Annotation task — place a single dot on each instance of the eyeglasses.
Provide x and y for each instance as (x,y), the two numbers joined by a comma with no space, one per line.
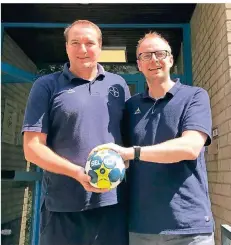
(159,55)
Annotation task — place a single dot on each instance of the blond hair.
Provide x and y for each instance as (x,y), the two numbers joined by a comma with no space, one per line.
(86,23)
(151,34)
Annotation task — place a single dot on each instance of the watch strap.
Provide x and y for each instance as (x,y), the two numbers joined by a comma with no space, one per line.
(137,153)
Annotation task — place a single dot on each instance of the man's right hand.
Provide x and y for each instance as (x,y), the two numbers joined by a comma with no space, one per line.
(84,180)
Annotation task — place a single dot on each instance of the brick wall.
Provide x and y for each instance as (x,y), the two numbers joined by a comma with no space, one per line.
(211,61)
(14,195)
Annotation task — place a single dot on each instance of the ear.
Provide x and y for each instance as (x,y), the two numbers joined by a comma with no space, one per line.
(139,65)
(100,44)
(66,46)
(171,60)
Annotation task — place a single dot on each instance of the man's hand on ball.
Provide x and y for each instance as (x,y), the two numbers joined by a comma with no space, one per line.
(84,180)
(124,152)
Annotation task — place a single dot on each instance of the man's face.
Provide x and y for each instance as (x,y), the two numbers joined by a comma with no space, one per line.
(151,65)
(83,47)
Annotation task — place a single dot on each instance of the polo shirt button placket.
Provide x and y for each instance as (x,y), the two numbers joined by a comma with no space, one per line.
(153,107)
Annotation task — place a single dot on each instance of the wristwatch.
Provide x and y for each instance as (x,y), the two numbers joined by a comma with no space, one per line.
(136,152)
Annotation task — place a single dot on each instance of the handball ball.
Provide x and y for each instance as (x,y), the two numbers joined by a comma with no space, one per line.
(106,168)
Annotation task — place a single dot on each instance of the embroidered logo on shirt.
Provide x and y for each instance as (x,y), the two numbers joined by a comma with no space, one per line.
(138,111)
(70,91)
(114,91)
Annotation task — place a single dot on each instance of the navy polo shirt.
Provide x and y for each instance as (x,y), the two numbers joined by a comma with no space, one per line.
(169,198)
(76,115)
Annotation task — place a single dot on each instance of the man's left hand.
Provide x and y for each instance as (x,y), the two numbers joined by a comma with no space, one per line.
(123,151)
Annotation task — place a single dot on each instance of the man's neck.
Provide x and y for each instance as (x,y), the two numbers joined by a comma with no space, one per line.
(88,73)
(159,89)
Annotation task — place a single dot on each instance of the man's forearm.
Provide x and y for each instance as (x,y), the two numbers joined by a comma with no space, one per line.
(167,152)
(46,159)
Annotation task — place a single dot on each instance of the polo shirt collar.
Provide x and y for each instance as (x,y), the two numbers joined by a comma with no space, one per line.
(172,91)
(70,76)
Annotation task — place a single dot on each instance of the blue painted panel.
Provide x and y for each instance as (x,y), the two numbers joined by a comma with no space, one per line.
(36,211)
(134,83)
(34,25)
(12,74)
(24,176)
(181,77)
(187,54)
(6,78)
(137,79)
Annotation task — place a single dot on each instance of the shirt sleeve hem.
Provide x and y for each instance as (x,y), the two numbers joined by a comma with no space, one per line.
(34,129)
(201,129)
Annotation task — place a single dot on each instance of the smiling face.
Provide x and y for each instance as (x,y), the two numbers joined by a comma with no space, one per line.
(83,46)
(156,68)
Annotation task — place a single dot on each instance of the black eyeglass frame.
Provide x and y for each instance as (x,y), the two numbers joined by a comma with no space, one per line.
(167,53)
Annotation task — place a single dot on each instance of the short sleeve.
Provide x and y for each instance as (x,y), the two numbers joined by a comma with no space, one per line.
(198,116)
(36,116)
(127,92)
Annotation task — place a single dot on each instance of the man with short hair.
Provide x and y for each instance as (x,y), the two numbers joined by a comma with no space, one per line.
(167,126)
(67,114)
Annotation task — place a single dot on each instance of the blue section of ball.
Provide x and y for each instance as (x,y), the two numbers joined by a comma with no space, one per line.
(91,155)
(122,174)
(96,162)
(114,175)
(109,161)
(94,176)
(112,153)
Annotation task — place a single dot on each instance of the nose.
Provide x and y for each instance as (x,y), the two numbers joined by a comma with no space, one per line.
(153,57)
(83,48)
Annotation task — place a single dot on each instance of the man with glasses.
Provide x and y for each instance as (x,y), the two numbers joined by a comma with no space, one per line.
(166,129)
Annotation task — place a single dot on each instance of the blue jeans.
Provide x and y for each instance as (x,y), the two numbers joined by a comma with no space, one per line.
(191,239)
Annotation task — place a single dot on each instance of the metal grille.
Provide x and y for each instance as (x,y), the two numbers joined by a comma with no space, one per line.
(17,212)
(18,206)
